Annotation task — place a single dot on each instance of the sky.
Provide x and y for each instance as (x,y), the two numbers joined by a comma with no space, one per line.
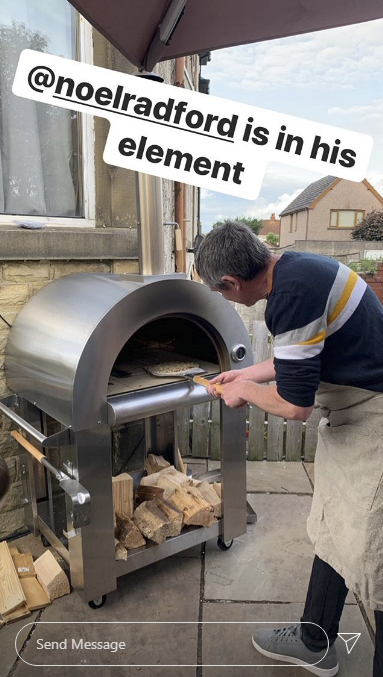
(333,76)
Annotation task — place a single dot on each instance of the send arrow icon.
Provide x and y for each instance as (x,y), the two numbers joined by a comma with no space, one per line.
(350,639)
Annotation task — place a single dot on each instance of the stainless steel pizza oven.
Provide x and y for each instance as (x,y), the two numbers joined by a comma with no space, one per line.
(77,359)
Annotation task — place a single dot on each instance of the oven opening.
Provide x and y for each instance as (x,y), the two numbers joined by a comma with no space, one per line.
(166,340)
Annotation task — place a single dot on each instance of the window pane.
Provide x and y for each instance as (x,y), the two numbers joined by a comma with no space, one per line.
(334,216)
(346,218)
(359,216)
(39,173)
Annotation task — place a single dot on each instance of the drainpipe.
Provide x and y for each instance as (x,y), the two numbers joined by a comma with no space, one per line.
(150,224)
(307,222)
(179,188)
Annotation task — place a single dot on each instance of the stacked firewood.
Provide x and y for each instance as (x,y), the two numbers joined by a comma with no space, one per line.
(166,500)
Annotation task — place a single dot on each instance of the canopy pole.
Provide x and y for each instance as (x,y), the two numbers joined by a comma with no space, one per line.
(163,34)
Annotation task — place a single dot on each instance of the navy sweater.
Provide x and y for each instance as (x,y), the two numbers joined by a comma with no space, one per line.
(327,326)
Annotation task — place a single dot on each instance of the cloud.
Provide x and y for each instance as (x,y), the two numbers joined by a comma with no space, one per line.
(205,194)
(336,58)
(376,180)
(367,111)
(262,209)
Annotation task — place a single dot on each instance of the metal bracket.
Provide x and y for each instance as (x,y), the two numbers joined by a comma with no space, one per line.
(60,439)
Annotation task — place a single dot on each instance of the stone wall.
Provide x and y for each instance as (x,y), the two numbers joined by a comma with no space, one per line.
(352,250)
(19,280)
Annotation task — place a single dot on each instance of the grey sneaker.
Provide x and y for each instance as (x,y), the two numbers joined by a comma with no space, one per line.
(287,645)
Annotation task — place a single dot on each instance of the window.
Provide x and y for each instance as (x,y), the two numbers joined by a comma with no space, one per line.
(41,147)
(291,223)
(345,218)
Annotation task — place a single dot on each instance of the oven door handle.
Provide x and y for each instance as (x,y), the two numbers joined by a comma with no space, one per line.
(57,440)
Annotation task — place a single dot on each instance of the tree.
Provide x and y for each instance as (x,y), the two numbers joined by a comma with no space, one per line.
(273,239)
(254,224)
(369,228)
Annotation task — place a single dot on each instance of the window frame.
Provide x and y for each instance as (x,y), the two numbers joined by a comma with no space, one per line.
(337,211)
(86,153)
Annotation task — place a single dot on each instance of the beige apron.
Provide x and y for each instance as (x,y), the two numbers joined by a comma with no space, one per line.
(346,519)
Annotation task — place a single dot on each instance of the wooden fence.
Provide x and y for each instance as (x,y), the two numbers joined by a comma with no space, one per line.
(268,437)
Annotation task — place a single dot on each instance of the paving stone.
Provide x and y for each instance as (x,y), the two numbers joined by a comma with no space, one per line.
(167,591)
(310,471)
(272,561)
(8,634)
(230,643)
(371,617)
(278,476)
(196,465)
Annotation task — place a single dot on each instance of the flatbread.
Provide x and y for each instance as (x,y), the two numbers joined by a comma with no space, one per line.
(173,368)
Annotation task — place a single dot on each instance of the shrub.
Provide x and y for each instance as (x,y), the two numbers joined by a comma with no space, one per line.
(254,224)
(369,228)
(273,239)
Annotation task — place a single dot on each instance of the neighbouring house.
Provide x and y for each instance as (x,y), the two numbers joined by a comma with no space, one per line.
(327,210)
(270,225)
(52,171)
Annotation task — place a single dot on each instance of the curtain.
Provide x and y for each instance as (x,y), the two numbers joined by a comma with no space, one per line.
(38,142)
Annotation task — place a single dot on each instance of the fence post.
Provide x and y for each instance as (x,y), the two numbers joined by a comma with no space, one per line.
(311,435)
(200,430)
(215,439)
(183,420)
(293,441)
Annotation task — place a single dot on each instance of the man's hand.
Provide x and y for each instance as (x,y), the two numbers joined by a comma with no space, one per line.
(226,377)
(232,394)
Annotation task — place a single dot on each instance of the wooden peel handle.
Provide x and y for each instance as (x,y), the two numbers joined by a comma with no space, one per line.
(204,382)
(28,446)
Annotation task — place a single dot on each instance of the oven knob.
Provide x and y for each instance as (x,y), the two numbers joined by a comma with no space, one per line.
(238,353)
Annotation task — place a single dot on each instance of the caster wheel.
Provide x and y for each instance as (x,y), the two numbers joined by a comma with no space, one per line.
(222,545)
(44,541)
(97,602)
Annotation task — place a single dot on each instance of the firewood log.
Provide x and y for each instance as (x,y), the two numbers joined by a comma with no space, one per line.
(127,532)
(151,521)
(154,463)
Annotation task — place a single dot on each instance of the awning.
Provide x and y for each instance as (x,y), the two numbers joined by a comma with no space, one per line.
(133,26)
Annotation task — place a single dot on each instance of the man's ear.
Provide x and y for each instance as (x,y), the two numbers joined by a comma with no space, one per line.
(232,282)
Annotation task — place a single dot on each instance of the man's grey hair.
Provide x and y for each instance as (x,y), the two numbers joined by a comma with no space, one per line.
(231,249)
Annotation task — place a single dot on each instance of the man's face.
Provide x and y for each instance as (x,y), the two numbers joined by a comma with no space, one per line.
(239,291)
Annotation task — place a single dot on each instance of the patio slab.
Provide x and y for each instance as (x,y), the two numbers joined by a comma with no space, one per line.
(7,641)
(146,611)
(272,561)
(275,477)
(230,643)
(309,467)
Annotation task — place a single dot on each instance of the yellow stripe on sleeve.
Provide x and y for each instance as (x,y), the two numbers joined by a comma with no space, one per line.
(344,297)
(316,339)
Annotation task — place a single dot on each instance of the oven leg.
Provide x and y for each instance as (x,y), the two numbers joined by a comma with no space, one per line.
(233,471)
(91,549)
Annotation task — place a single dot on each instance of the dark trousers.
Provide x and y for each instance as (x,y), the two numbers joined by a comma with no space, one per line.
(324,605)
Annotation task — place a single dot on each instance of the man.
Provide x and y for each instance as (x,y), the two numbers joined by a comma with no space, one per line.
(327,326)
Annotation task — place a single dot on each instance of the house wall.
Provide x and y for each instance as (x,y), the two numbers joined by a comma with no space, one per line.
(344,195)
(299,228)
(31,259)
